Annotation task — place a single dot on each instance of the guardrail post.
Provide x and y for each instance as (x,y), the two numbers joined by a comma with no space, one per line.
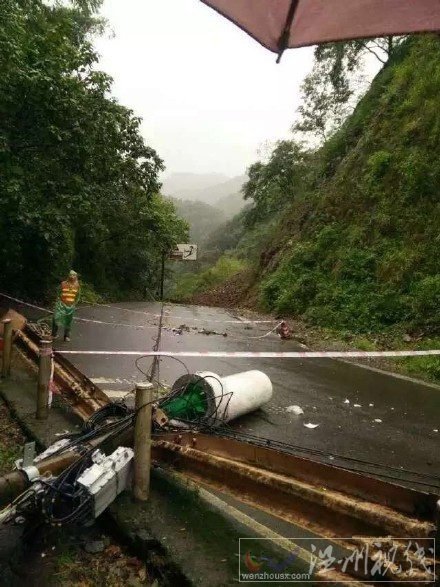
(44,369)
(142,440)
(7,347)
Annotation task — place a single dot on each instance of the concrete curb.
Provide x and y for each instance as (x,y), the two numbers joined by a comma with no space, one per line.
(195,531)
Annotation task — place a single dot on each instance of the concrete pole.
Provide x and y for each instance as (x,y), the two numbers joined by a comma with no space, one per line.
(7,347)
(44,369)
(142,441)
(12,484)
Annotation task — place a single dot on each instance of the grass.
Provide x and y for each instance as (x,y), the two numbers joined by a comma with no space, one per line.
(194,283)
(427,367)
(364,344)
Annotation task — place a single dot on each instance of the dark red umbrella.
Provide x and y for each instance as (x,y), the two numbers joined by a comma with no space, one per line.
(280,24)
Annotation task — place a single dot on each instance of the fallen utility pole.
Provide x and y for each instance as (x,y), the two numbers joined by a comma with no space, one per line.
(15,483)
(329,500)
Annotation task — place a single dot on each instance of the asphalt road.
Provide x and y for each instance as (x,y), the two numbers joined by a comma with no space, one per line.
(405,436)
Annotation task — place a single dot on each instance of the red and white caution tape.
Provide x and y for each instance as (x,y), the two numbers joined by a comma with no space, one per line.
(238,321)
(137,326)
(233,354)
(261,355)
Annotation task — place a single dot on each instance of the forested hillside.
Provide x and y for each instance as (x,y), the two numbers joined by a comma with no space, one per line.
(202,219)
(78,185)
(347,236)
(359,246)
(214,189)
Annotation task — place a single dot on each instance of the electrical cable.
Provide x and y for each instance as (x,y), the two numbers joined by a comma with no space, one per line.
(155,365)
(63,492)
(64,502)
(149,357)
(291,448)
(111,410)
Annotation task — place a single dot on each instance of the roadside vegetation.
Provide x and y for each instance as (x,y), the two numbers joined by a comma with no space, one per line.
(342,226)
(191,284)
(78,185)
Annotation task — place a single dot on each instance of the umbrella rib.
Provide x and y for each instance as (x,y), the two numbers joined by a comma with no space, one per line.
(284,38)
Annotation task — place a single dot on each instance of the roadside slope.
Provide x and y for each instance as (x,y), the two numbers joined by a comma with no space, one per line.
(358,250)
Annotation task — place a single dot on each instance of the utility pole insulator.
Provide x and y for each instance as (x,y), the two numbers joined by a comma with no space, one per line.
(142,440)
(44,371)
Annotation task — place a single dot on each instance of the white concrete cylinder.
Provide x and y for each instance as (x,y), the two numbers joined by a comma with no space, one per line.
(232,396)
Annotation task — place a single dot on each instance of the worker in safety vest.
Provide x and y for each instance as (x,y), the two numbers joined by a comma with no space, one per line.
(68,297)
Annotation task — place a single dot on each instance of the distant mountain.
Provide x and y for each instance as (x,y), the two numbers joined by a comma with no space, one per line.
(178,183)
(211,188)
(202,218)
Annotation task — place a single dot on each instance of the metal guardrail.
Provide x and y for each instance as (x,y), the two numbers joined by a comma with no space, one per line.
(83,396)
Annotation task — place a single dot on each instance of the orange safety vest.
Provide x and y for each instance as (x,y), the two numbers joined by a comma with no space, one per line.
(69,292)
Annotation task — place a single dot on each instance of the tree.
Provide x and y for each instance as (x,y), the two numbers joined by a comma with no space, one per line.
(273,184)
(331,89)
(78,185)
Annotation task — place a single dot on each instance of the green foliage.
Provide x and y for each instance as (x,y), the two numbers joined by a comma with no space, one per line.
(364,253)
(273,184)
(8,456)
(89,295)
(323,108)
(425,302)
(77,182)
(190,284)
(363,344)
(202,218)
(428,366)
(378,164)
(331,88)
(227,236)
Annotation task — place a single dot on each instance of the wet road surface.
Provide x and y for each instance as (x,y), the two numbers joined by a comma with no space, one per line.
(361,414)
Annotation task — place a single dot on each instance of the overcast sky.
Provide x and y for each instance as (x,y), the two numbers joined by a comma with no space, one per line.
(210,96)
